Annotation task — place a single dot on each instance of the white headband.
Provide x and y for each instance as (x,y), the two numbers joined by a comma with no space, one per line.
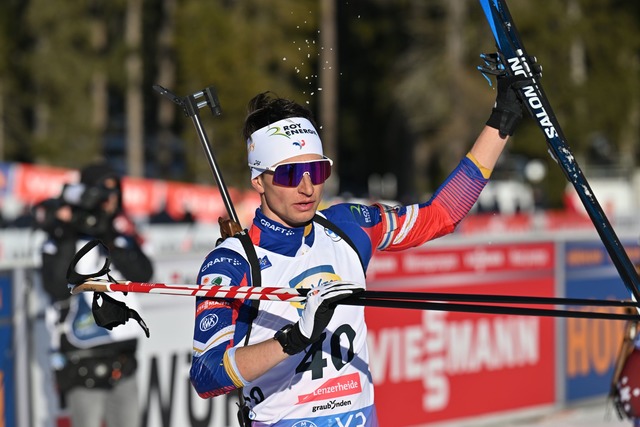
(281,140)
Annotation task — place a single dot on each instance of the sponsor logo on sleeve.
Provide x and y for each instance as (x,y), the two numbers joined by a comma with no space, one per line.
(210,305)
(215,280)
(362,212)
(208,322)
(218,260)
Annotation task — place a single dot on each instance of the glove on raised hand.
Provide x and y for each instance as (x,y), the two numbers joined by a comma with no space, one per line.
(318,310)
(507,111)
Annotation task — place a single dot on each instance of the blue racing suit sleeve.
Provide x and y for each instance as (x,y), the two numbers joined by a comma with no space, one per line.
(356,220)
(220,324)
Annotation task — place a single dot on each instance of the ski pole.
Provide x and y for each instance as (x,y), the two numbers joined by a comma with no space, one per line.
(385,299)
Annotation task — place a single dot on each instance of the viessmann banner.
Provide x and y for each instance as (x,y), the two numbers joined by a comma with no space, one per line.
(440,364)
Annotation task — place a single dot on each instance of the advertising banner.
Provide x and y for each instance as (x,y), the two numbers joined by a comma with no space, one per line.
(30,184)
(438,364)
(592,345)
(34,183)
(5,177)
(7,354)
(142,196)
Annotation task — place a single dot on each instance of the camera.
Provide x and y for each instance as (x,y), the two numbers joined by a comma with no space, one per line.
(85,203)
(84,197)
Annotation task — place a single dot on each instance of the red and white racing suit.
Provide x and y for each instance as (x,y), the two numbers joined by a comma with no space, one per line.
(328,384)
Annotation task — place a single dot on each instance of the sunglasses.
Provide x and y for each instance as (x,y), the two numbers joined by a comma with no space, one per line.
(290,174)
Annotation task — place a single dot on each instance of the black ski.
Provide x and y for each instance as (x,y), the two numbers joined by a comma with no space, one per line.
(518,62)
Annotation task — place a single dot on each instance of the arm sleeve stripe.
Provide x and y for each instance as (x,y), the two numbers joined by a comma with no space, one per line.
(486,173)
(390,219)
(229,362)
(459,196)
(222,335)
(410,219)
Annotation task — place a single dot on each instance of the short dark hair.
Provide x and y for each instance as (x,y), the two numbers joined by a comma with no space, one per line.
(267,107)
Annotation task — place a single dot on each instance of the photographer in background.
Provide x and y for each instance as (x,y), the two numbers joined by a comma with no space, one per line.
(94,367)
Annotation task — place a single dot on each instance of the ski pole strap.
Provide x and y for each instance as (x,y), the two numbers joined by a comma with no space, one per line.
(111,312)
(75,278)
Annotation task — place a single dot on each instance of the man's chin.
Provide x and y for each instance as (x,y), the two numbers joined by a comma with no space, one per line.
(300,219)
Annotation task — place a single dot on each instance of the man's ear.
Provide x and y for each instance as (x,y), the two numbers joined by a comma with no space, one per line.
(258,184)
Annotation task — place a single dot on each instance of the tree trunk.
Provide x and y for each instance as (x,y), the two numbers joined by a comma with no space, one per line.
(99,82)
(134,100)
(456,132)
(166,78)
(2,119)
(328,71)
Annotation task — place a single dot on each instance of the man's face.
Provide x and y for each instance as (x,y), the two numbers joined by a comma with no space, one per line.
(291,206)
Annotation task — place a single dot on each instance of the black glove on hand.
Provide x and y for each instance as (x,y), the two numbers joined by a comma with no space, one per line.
(507,111)
(318,310)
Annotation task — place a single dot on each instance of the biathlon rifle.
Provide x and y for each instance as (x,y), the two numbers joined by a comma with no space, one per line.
(191,105)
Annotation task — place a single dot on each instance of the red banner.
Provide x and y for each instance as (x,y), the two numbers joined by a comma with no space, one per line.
(445,365)
(205,203)
(470,260)
(141,197)
(36,183)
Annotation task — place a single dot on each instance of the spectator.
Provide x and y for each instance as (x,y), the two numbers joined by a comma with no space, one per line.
(95,368)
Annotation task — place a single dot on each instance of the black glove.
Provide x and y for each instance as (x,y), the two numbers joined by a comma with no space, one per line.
(507,111)
(111,313)
(318,310)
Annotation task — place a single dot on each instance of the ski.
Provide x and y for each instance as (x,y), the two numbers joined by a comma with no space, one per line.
(518,62)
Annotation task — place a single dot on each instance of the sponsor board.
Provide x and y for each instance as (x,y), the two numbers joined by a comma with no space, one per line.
(31,184)
(8,404)
(440,363)
(461,264)
(5,178)
(592,344)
